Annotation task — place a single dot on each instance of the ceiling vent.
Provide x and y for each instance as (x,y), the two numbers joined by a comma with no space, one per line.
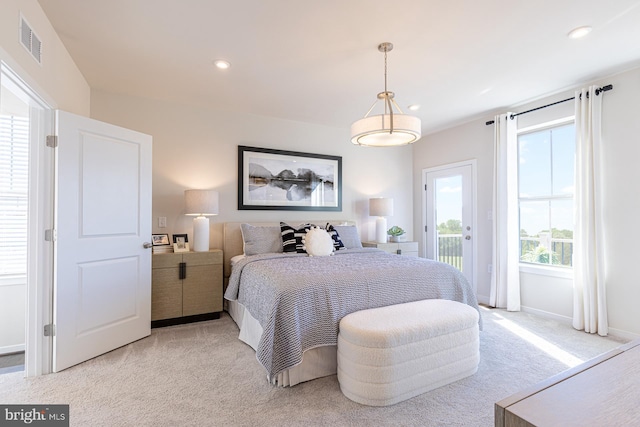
(30,41)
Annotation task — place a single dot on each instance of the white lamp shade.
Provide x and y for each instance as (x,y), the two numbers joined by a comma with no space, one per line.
(201,202)
(381,207)
(375,131)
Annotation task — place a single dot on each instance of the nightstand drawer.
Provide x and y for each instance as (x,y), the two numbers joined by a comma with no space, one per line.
(398,248)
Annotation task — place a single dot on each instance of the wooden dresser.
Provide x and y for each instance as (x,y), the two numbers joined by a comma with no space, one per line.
(604,391)
(186,287)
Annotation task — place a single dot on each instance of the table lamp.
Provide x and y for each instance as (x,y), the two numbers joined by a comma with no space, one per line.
(381,207)
(201,203)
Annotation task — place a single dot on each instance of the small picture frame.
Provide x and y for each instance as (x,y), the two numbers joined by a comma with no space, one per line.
(160,240)
(180,243)
(183,248)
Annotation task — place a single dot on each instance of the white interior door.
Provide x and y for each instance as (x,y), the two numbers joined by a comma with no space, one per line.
(102,288)
(449,220)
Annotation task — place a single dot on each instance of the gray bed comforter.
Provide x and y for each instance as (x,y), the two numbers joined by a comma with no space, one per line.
(299,300)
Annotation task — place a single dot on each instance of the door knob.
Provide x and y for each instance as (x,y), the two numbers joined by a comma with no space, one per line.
(467,237)
(147,245)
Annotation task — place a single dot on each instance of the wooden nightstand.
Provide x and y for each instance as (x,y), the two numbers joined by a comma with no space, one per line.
(399,248)
(186,287)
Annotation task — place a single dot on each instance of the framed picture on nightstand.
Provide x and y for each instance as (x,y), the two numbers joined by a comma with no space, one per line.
(180,243)
(160,239)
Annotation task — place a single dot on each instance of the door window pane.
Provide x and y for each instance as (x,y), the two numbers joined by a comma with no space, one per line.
(448,214)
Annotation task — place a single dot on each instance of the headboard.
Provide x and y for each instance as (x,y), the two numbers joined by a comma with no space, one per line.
(232,243)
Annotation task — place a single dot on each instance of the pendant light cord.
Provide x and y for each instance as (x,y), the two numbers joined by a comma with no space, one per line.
(387,101)
(385,70)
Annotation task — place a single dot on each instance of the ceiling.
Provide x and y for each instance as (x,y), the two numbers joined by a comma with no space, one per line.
(318,62)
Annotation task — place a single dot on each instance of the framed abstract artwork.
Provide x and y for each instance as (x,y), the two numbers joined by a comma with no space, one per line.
(288,180)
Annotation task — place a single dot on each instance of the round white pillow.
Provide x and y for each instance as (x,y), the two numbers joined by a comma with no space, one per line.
(317,242)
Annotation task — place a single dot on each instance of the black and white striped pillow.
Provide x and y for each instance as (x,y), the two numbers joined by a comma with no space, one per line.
(292,237)
(337,242)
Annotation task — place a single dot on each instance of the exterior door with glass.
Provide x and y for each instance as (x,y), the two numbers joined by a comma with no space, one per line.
(449,216)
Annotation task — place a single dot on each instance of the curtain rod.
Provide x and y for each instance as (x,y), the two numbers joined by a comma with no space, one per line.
(598,91)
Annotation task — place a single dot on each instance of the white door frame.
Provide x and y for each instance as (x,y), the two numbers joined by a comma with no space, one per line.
(38,348)
(474,215)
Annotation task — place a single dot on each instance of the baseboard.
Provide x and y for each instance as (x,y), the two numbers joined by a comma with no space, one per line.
(618,333)
(547,314)
(8,349)
(482,299)
(186,319)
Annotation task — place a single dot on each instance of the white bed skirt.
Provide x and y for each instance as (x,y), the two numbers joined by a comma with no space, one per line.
(316,363)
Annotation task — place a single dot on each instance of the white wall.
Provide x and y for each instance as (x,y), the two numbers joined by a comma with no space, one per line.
(621,130)
(57,79)
(197,148)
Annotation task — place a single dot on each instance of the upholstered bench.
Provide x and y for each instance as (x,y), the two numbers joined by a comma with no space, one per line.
(390,354)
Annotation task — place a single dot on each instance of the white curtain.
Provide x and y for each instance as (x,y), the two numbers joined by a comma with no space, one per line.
(589,293)
(505,274)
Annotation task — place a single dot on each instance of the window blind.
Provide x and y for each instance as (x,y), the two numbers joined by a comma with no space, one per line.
(14,193)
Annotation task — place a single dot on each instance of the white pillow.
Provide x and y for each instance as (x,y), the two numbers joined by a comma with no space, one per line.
(317,242)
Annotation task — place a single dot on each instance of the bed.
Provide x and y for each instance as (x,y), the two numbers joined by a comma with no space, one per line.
(288,305)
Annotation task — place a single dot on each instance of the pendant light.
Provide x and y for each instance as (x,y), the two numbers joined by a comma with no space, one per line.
(388,129)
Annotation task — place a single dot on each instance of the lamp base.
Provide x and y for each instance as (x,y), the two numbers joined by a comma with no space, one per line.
(381,229)
(201,234)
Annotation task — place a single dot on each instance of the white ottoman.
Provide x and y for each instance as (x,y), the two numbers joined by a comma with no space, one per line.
(390,354)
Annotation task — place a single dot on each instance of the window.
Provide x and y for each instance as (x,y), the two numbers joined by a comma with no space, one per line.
(545,184)
(14,180)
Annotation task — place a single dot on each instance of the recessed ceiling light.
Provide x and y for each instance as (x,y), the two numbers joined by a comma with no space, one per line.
(221,64)
(579,32)
(414,107)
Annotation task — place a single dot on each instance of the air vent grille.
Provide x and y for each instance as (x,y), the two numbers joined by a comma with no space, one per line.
(30,41)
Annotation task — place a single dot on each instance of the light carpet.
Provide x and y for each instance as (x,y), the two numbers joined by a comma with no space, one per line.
(201,375)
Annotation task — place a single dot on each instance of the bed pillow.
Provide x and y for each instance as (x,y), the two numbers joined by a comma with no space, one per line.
(335,236)
(349,236)
(292,237)
(317,242)
(261,240)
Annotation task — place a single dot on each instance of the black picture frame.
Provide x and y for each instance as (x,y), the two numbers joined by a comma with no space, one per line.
(160,240)
(271,179)
(176,236)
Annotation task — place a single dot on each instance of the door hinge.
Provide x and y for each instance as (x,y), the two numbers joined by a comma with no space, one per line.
(49,330)
(52,141)
(51,235)
(425,228)
(425,187)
